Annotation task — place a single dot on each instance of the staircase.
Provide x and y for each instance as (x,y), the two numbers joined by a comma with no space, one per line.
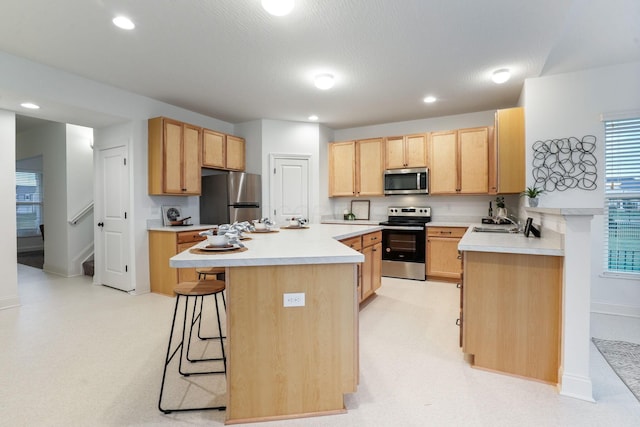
(88,267)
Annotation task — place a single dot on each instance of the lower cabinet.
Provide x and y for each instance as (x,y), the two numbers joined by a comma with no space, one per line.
(443,260)
(370,271)
(162,246)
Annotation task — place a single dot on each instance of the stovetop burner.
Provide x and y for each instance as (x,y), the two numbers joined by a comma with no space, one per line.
(408,216)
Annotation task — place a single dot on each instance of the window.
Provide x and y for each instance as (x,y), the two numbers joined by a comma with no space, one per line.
(622,196)
(28,203)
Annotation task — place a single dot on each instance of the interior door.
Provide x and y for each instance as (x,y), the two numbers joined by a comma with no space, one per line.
(289,188)
(111,217)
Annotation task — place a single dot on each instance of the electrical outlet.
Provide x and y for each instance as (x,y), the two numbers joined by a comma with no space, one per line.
(293,300)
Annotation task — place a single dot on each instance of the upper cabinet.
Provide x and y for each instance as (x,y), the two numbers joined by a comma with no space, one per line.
(409,151)
(221,151)
(235,153)
(459,161)
(174,157)
(507,153)
(356,168)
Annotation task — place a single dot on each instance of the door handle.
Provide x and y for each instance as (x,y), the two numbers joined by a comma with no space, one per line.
(101,224)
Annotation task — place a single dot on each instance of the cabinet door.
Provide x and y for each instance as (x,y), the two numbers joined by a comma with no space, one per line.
(376,267)
(342,163)
(191,159)
(394,152)
(442,257)
(235,153)
(213,149)
(186,274)
(172,157)
(508,152)
(416,151)
(443,174)
(370,167)
(474,160)
(367,272)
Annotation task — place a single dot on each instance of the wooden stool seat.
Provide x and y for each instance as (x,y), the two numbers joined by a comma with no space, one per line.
(199,288)
(210,270)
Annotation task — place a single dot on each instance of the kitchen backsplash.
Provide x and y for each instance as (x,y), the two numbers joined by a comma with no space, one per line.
(443,208)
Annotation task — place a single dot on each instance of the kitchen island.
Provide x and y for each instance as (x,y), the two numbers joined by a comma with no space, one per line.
(287,362)
(511,303)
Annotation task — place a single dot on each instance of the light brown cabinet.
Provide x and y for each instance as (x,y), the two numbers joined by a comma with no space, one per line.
(511,316)
(443,260)
(409,151)
(370,271)
(356,168)
(221,151)
(507,153)
(162,246)
(459,161)
(174,157)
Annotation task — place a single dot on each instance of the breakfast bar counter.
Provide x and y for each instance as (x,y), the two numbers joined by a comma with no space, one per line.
(294,361)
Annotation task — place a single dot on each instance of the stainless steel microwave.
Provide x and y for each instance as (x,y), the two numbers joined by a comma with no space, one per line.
(406,181)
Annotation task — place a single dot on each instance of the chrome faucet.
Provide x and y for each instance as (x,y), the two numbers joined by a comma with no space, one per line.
(517,228)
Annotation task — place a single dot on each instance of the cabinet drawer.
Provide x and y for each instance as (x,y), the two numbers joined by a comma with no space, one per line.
(371,238)
(190,236)
(456,232)
(353,242)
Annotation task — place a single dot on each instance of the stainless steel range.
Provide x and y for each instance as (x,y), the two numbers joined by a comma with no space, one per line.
(404,243)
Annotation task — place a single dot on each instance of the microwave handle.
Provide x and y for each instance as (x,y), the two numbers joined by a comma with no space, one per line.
(418,180)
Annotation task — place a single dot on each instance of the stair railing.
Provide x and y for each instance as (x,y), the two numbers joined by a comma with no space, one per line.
(83,212)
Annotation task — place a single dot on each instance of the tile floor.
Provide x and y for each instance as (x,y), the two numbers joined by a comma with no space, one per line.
(79,354)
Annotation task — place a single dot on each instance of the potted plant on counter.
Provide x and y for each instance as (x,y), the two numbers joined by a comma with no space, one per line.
(532,194)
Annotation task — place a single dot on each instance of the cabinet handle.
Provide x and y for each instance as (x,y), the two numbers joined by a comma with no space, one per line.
(457,322)
(445,232)
(374,250)
(458,285)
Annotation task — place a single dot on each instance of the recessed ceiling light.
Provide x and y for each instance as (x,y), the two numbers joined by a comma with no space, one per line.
(429,99)
(501,76)
(123,22)
(324,81)
(30,105)
(278,7)
(313,117)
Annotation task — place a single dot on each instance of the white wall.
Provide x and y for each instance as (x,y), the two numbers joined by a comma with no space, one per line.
(8,259)
(568,105)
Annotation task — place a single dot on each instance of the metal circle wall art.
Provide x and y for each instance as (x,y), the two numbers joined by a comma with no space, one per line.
(561,164)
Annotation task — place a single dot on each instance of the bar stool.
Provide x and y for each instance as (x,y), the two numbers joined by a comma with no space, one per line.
(193,291)
(203,272)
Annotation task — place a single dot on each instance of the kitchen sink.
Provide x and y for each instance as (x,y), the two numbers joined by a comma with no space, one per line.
(495,230)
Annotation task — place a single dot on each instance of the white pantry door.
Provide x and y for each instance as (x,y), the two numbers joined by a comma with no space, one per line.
(112,216)
(289,187)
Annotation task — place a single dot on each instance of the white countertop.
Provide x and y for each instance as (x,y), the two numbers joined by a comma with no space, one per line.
(550,242)
(444,223)
(179,228)
(317,244)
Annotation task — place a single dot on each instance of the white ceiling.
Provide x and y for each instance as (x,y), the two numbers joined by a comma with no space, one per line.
(230,60)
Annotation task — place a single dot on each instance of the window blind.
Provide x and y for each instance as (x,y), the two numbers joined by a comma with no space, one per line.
(28,203)
(622,196)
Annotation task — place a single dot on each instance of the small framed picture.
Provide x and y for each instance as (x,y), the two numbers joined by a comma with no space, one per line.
(360,208)
(170,213)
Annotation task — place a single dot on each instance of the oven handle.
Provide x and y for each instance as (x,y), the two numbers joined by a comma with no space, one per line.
(402,227)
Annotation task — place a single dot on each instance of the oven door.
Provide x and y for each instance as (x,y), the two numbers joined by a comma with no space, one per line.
(406,244)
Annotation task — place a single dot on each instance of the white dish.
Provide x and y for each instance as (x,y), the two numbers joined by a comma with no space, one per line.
(219,248)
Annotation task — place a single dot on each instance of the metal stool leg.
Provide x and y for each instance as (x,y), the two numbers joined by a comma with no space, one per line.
(170,356)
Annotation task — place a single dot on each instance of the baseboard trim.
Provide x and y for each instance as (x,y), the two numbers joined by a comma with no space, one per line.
(6,303)
(615,309)
(576,386)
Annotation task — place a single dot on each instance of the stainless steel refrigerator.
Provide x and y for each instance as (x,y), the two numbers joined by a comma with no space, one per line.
(230,197)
